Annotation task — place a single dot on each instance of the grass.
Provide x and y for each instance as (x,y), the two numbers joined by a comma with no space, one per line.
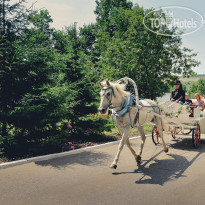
(134,132)
(107,136)
(192,79)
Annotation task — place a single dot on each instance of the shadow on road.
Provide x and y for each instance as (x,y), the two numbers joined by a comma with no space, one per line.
(161,171)
(87,158)
(182,143)
(156,171)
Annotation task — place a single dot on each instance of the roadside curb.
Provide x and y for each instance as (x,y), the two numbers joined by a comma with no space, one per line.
(57,155)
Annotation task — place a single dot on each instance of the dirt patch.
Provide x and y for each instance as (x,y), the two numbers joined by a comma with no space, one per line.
(3,160)
(86,144)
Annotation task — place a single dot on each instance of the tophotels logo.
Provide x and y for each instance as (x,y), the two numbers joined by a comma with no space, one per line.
(173,21)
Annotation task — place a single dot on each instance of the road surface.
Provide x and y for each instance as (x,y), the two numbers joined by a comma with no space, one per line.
(85,178)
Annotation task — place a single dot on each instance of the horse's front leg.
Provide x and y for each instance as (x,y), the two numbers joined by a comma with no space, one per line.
(143,138)
(128,144)
(125,134)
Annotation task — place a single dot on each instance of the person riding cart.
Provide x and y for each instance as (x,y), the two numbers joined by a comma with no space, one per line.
(199,101)
(187,100)
(178,95)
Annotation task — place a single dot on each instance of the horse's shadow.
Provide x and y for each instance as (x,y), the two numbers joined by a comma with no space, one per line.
(161,171)
(156,171)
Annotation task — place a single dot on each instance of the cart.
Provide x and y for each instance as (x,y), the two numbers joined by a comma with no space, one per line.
(176,117)
(181,118)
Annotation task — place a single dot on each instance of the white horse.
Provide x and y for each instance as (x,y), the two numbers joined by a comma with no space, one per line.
(113,96)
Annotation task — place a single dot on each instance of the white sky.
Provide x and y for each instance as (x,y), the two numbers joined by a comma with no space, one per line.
(66,12)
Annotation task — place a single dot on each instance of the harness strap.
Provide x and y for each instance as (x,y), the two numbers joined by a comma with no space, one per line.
(130,120)
(125,108)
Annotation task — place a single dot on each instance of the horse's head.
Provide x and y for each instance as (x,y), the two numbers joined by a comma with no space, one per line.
(106,94)
(111,94)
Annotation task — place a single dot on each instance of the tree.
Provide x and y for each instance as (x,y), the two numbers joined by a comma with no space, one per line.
(28,65)
(197,87)
(76,49)
(105,8)
(12,25)
(153,61)
(45,82)
(33,98)
(87,35)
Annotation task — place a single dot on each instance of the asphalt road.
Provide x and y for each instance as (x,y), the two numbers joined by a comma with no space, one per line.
(85,178)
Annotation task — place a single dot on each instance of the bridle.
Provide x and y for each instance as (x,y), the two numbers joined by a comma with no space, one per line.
(109,98)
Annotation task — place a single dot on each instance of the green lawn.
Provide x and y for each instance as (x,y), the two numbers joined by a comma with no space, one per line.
(192,79)
(134,132)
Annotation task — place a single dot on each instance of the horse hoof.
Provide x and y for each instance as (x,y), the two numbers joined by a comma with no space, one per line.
(166,150)
(139,159)
(114,166)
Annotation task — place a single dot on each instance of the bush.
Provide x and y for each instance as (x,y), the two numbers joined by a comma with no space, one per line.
(197,87)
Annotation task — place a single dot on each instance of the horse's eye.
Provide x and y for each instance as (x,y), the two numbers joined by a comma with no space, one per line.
(108,94)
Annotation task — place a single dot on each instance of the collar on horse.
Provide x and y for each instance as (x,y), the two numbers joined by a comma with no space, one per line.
(125,107)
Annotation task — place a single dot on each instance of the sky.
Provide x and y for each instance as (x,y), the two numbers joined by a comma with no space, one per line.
(66,12)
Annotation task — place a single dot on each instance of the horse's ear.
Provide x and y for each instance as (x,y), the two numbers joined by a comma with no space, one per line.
(100,84)
(108,83)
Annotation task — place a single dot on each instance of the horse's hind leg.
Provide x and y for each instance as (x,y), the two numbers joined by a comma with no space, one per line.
(160,129)
(125,134)
(143,138)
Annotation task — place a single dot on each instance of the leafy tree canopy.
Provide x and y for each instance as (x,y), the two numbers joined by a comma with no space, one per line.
(129,49)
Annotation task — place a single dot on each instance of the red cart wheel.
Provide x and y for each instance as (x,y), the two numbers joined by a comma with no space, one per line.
(196,134)
(155,135)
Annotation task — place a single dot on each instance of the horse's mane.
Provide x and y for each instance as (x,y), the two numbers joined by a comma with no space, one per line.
(119,87)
